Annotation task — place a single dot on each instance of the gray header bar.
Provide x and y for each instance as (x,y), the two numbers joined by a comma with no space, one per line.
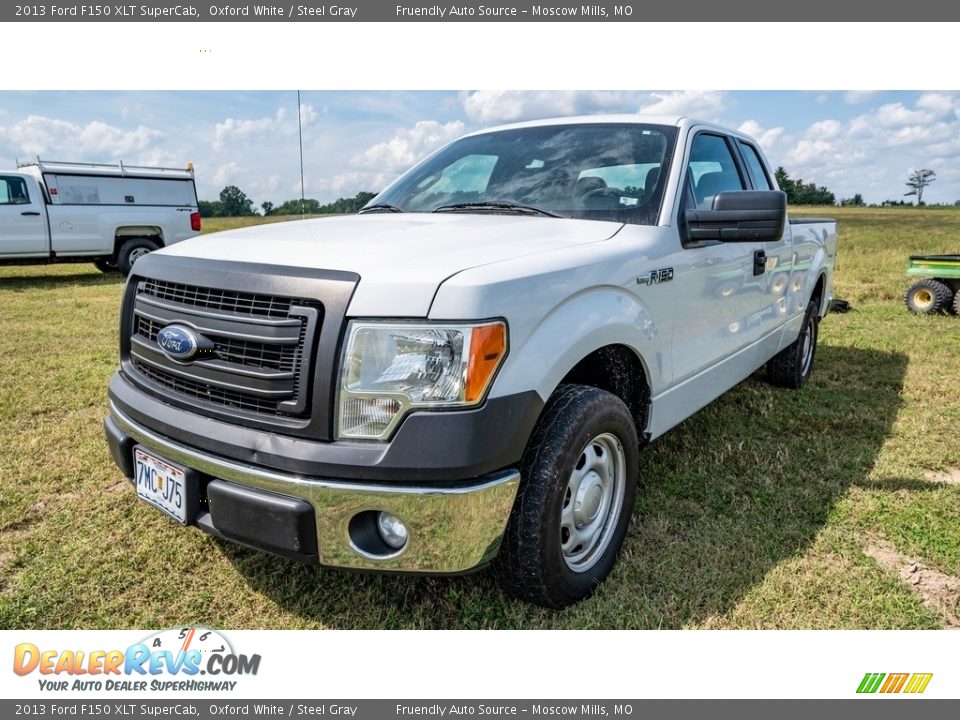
(473,11)
(232,709)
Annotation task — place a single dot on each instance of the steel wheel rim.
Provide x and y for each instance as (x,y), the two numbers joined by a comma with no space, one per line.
(809,342)
(137,253)
(592,502)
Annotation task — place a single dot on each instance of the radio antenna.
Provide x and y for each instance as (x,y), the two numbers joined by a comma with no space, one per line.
(303,213)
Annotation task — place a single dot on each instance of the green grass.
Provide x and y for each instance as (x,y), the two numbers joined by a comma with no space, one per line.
(753,514)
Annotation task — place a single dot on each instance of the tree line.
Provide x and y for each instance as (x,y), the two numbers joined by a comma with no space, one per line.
(234,202)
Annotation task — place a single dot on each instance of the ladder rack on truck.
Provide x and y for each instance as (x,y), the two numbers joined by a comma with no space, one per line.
(107,169)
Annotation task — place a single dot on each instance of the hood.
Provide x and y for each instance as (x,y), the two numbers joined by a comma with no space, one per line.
(401,258)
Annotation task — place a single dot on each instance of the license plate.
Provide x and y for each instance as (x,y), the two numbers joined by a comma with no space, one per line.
(161,484)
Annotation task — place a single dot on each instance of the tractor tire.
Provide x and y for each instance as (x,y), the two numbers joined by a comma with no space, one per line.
(928,297)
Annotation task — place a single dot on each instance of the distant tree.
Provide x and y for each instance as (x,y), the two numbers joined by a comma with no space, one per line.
(298,207)
(957,203)
(210,208)
(267,208)
(801,193)
(235,202)
(310,206)
(917,181)
(855,201)
(783,180)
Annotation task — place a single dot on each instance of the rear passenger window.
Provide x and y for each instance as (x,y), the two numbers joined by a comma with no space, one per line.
(13,191)
(711,170)
(755,165)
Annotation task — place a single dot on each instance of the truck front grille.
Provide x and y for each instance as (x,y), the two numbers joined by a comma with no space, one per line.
(261,347)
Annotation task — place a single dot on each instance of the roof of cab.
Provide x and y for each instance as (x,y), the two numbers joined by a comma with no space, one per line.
(681,121)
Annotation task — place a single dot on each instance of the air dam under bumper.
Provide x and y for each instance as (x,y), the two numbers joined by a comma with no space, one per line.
(452,528)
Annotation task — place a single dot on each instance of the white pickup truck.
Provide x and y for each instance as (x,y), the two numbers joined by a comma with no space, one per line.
(87,212)
(465,373)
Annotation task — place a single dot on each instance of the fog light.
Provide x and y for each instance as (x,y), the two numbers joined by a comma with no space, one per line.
(392,530)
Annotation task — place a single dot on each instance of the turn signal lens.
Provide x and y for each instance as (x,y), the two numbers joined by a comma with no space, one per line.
(487,345)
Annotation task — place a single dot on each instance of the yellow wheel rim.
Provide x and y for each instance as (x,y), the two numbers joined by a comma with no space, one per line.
(923,298)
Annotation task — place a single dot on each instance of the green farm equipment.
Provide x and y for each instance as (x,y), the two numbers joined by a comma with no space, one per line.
(937,288)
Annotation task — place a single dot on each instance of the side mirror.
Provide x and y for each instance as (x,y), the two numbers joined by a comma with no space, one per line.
(746,216)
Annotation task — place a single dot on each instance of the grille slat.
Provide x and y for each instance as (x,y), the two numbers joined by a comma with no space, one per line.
(270,355)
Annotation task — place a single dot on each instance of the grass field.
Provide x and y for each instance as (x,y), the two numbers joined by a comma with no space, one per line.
(834,507)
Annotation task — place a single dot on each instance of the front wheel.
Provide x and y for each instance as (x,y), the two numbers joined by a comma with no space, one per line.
(578,484)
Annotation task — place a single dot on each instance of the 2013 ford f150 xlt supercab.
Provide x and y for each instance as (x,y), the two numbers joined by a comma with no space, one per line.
(464,373)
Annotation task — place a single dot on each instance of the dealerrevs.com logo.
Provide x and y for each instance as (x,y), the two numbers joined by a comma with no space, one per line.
(181,659)
(894,683)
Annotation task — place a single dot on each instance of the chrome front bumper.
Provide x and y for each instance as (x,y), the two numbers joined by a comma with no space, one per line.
(451,529)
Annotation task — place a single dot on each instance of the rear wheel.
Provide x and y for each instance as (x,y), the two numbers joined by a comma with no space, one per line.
(956,303)
(578,484)
(132,250)
(928,297)
(792,366)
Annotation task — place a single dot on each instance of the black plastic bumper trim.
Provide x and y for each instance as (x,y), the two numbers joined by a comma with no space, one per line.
(428,446)
(278,524)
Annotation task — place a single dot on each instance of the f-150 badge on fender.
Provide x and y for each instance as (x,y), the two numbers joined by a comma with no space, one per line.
(655,277)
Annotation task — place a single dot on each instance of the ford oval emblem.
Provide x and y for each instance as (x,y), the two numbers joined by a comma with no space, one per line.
(178,342)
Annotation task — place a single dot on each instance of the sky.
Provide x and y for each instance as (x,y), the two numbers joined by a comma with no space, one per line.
(852,142)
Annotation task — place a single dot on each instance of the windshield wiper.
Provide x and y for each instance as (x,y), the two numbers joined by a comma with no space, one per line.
(501,205)
(380,207)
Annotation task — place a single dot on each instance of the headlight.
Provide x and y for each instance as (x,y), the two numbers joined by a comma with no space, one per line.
(389,369)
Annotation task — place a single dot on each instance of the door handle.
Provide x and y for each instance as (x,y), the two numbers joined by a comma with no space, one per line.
(29,212)
(759,262)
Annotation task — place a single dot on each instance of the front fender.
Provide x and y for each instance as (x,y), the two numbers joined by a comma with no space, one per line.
(576,327)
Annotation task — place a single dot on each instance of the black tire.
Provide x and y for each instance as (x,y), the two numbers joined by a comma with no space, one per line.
(956,303)
(792,366)
(133,249)
(104,266)
(928,297)
(532,564)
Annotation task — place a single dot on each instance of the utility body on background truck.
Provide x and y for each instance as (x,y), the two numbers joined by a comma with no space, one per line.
(110,215)
(465,373)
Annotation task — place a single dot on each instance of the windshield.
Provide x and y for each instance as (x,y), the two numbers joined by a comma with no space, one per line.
(595,171)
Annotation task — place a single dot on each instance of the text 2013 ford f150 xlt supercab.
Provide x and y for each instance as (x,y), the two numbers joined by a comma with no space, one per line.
(465,373)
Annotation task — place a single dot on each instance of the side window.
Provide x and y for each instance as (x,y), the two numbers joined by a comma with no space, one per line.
(711,170)
(755,166)
(13,191)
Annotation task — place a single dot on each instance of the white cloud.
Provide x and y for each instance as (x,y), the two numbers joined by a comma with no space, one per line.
(857,97)
(487,107)
(227,174)
(938,103)
(766,137)
(61,139)
(373,168)
(686,102)
(825,129)
(233,130)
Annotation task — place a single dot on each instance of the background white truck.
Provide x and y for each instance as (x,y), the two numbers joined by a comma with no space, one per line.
(81,212)
(465,373)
